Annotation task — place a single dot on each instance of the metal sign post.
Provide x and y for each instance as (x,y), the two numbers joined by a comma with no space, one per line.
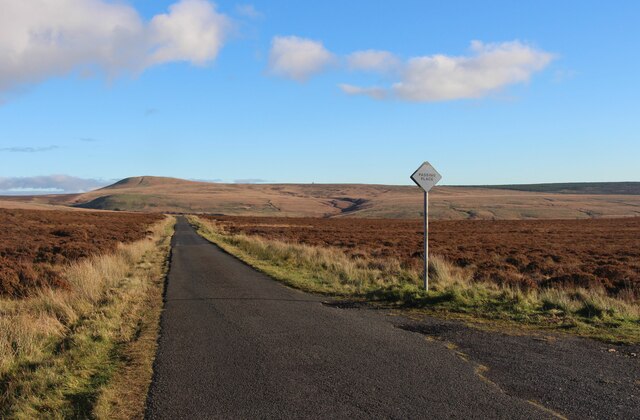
(426,177)
(426,241)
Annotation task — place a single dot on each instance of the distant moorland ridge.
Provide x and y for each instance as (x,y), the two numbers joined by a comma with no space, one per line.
(538,201)
(608,188)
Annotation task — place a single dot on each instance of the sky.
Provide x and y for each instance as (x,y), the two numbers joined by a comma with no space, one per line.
(492,92)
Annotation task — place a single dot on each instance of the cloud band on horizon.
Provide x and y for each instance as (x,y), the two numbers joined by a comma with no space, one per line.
(51,184)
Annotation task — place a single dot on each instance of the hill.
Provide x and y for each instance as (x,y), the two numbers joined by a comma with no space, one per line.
(158,194)
(599,188)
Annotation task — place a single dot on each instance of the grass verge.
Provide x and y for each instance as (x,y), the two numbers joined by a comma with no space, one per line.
(87,352)
(327,270)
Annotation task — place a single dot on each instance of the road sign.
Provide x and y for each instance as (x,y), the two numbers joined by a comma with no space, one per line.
(426,176)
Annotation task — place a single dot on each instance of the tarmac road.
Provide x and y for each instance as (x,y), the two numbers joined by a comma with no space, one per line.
(236,344)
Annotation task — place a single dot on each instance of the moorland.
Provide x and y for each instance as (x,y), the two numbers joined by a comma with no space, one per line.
(591,253)
(37,245)
(158,194)
(82,275)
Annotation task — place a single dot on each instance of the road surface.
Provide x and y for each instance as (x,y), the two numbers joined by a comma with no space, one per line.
(236,344)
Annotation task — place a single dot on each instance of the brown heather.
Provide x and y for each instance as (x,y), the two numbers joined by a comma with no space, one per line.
(529,254)
(37,244)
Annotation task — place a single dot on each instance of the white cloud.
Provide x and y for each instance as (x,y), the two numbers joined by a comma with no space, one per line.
(51,184)
(297,58)
(441,78)
(492,67)
(46,38)
(373,60)
(192,31)
(374,92)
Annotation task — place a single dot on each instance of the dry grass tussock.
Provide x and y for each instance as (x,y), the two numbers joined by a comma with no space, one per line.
(453,289)
(59,348)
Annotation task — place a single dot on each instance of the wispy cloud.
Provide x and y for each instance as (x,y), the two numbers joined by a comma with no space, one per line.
(213,181)
(49,184)
(42,39)
(88,139)
(250,181)
(298,58)
(373,60)
(248,11)
(22,149)
(372,91)
(564,75)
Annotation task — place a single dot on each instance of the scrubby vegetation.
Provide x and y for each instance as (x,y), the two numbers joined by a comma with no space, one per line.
(531,254)
(36,245)
(86,350)
(604,188)
(455,290)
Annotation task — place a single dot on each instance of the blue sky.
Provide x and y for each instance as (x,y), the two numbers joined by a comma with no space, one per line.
(569,112)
